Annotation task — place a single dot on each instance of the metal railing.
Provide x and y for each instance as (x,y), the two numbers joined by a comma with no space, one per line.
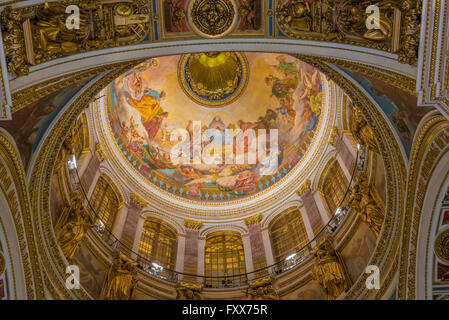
(226,281)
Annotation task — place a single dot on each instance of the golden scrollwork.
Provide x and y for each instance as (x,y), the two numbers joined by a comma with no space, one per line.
(299,19)
(352,19)
(121,279)
(72,226)
(253,220)
(304,188)
(40,33)
(441,246)
(212,17)
(188,291)
(361,131)
(138,200)
(262,289)
(410,33)
(194,225)
(328,269)
(363,201)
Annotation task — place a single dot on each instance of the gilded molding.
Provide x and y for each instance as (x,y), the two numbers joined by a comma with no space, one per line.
(18,200)
(422,164)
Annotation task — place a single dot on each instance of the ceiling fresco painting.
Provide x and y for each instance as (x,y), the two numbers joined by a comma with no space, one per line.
(399,106)
(151,101)
(28,125)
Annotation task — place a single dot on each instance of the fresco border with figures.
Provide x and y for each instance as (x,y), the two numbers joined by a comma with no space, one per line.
(240,181)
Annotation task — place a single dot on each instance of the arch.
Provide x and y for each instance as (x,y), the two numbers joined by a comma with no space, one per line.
(89,60)
(177,227)
(216,228)
(385,252)
(16,234)
(428,176)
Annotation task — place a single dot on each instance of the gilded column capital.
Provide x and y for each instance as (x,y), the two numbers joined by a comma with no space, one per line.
(333,136)
(138,200)
(304,188)
(253,220)
(190,224)
(100,152)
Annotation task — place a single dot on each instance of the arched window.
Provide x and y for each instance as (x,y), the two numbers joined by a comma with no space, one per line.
(288,234)
(224,257)
(105,203)
(334,187)
(158,244)
(81,136)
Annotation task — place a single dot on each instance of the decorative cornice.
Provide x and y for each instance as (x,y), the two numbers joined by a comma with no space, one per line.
(253,220)
(194,225)
(304,188)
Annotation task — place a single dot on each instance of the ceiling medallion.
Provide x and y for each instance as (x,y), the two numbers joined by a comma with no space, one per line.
(441,246)
(213,79)
(212,18)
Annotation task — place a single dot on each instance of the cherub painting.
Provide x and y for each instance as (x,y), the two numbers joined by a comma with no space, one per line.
(168,137)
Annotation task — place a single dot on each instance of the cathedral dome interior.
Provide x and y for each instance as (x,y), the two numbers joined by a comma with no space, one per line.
(224,150)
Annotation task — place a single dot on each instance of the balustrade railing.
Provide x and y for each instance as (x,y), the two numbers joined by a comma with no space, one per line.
(226,281)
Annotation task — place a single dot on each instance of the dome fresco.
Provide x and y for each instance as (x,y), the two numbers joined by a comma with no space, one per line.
(215,135)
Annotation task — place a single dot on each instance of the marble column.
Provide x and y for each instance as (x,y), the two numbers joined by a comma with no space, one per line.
(90,174)
(179,267)
(267,246)
(191,252)
(310,207)
(345,156)
(248,257)
(257,245)
(130,227)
